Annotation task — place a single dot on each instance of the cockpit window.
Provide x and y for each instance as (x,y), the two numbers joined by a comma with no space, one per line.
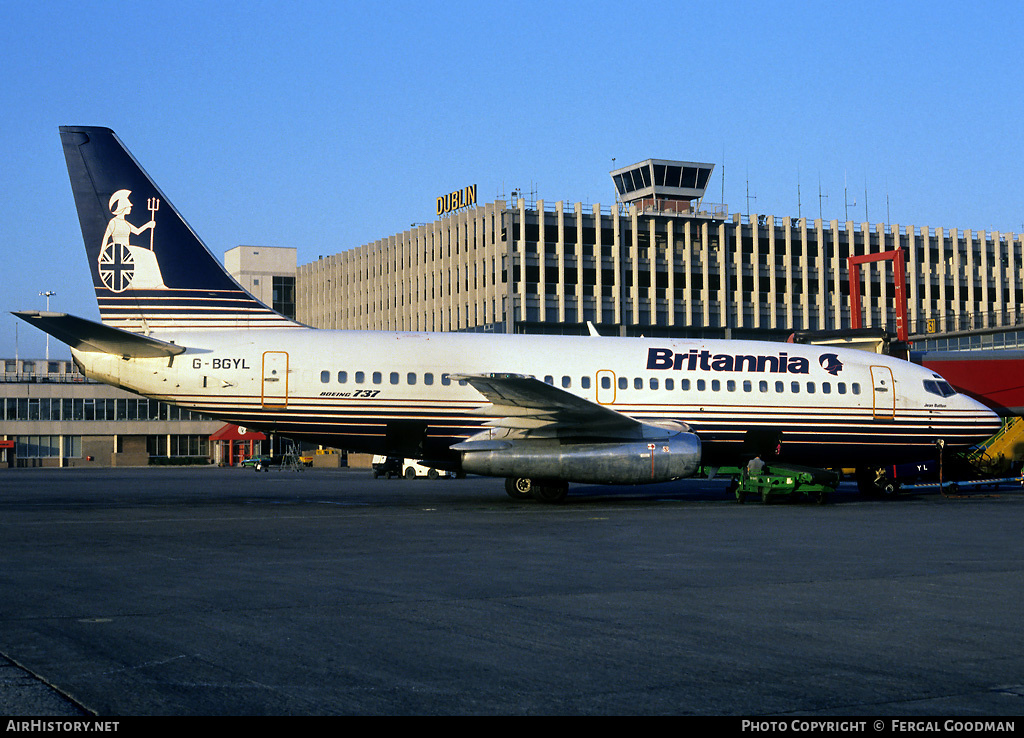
(938,387)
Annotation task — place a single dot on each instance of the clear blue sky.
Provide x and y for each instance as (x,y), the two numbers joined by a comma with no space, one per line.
(328,125)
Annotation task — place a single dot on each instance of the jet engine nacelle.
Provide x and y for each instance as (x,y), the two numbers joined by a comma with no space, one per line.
(632,462)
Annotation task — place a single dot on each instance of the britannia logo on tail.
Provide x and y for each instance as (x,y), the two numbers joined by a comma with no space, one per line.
(121,264)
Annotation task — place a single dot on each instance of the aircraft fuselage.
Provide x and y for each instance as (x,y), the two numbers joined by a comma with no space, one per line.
(382,392)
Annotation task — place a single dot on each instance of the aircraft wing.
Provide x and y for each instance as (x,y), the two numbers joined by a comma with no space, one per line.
(530,407)
(87,335)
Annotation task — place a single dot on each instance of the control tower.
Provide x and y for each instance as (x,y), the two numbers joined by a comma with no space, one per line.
(660,185)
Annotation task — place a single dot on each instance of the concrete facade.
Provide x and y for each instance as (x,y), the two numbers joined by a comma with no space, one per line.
(649,269)
(267,272)
(442,276)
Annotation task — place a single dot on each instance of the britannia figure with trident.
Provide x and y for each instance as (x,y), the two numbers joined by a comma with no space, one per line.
(122,265)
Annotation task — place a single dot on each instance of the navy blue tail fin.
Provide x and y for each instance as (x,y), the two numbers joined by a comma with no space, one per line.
(150,270)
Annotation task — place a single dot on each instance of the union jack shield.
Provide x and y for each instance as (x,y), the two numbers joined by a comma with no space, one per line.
(116,267)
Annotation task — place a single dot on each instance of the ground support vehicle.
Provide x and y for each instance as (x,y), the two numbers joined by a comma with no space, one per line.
(776,483)
(391,467)
(954,487)
(252,461)
(323,457)
(388,467)
(266,462)
(989,464)
(411,469)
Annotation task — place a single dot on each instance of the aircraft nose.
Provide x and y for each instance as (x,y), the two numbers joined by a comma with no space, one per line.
(987,420)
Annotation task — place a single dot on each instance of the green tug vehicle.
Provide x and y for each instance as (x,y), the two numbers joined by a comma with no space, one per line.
(781,483)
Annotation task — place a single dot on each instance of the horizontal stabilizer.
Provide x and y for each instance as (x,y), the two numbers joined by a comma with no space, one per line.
(86,335)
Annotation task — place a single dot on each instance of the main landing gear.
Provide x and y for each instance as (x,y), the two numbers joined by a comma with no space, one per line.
(522,488)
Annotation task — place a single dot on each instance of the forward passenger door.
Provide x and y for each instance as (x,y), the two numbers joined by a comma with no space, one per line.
(883,391)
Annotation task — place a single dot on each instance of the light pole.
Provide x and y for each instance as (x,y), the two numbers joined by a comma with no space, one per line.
(48,294)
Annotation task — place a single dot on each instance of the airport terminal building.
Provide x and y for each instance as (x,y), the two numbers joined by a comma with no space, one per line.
(52,416)
(658,261)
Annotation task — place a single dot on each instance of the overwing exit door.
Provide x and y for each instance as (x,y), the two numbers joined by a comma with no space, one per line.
(605,386)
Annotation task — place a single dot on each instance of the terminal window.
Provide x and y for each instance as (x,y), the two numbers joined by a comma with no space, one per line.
(283,297)
(43,447)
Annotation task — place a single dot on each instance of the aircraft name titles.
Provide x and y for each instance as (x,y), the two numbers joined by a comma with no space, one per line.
(663,358)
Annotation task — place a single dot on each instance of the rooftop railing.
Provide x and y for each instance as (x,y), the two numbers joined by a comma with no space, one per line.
(33,377)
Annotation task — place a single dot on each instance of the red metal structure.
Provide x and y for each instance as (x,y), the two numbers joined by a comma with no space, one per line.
(991,376)
(899,277)
(237,444)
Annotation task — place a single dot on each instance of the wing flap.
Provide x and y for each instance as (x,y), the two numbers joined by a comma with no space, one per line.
(521,401)
(527,407)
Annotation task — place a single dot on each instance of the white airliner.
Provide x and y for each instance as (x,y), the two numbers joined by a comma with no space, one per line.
(541,411)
